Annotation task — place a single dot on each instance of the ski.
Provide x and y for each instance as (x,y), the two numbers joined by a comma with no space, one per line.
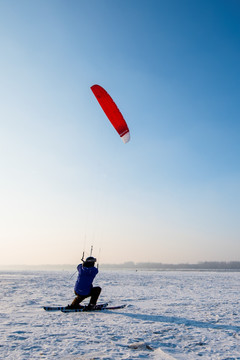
(115,307)
(97,308)
(82,308)
(54,308)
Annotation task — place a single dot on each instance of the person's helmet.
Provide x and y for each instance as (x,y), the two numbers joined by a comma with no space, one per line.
(90,261)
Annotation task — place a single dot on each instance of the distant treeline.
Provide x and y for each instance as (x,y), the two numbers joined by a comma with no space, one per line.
(206,265)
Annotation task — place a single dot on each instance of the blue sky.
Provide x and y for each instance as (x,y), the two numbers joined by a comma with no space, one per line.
(67,181)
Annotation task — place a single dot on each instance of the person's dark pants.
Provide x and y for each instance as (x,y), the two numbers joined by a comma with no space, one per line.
(94,293)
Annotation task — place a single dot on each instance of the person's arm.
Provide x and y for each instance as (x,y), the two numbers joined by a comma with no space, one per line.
(79,267)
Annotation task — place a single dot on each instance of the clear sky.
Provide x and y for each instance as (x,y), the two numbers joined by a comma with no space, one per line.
(172,194)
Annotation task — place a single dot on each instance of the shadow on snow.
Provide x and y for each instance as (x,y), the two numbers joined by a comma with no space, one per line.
(180,321)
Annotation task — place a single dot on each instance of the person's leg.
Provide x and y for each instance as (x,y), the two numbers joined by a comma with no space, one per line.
(78,299)
(95,292)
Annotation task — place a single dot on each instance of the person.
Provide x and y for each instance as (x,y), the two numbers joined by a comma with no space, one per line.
(83,286)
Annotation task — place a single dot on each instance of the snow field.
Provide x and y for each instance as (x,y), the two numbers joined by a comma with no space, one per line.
(170,315)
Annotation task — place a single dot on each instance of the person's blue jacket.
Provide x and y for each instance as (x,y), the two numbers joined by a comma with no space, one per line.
(85,279)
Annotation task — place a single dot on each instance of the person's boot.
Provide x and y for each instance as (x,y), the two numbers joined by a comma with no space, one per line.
(74,306)
(91,306)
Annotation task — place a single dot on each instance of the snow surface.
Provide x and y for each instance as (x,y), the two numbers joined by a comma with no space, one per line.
(170,315)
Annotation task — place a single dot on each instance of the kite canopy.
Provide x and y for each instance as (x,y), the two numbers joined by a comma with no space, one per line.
(112,112)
